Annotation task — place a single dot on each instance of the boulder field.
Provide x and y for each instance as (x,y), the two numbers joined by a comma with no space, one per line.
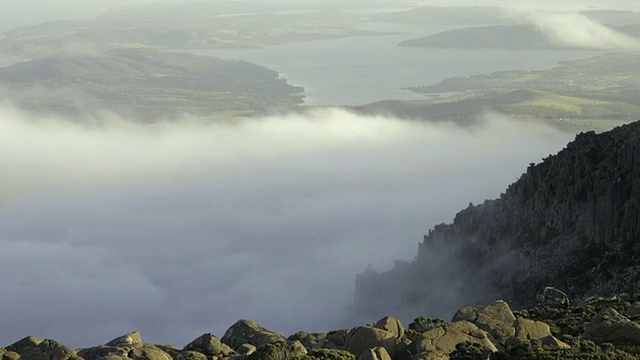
(595,329)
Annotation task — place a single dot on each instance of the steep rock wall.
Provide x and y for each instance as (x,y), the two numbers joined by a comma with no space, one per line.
(572,221)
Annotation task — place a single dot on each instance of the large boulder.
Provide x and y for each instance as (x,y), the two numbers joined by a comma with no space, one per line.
(377,353)
(118,348)
(367,337)
(391,325)
(280,351)
(112,357)
(633,312)
(552,297)
(8,355)
(24,343)
(132,339)
(149,352)
(496,319)
(404,349)
(249,332)
(611,327)
(189,355)
(527,330)
(246,349)
(33,348)
(310,340)
(443,339)
(209,345)
(337,339)
(169,349)
(103,351)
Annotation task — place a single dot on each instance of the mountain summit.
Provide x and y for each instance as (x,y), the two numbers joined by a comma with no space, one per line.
(572,222)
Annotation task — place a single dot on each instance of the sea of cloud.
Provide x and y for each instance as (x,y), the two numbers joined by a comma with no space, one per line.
(184,227)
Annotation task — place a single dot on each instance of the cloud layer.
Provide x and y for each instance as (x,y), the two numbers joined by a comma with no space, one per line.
(183,228)
(573,29)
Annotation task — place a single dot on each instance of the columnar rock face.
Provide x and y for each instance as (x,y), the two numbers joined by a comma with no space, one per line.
(571,222)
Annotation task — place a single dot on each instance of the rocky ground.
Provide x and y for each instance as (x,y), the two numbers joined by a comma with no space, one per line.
(554,329)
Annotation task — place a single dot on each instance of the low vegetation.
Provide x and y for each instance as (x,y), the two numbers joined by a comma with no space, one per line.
(599,92)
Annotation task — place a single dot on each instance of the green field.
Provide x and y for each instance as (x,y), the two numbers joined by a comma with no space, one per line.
(599,90)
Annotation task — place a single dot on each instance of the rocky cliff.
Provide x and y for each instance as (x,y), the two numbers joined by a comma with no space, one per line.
(572,222)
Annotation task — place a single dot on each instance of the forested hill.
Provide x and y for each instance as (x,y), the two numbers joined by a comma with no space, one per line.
(572,221)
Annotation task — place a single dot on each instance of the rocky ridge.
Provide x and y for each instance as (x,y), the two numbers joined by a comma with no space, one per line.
(571,222)
(599,329)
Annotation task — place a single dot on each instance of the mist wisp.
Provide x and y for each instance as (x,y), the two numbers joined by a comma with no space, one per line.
(184,228)
(577,30)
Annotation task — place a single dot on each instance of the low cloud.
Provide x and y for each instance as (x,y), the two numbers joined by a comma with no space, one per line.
(576,30)
(183,228)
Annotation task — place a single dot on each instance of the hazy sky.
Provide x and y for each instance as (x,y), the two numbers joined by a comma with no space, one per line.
(15,13)
(177,230)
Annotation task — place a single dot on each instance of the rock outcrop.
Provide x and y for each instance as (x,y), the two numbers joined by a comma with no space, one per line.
(209,345)
(528,330)
(496,318)
(504,329)
(609,326)
(571,222)
(391,325)
(39,349)
(550,296)
(310,341)
(377,353)
(249,332)
(443,340)
(594,330)
(364,338)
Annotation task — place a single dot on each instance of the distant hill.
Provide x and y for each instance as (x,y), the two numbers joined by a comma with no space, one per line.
(451,15)
(144,84)
(514,37)
(599,90)
(180,25)
(572,221)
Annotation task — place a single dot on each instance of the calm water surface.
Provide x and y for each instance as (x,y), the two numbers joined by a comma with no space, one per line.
(364,69)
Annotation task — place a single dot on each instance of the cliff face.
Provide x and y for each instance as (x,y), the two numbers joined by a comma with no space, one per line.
(572,221)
